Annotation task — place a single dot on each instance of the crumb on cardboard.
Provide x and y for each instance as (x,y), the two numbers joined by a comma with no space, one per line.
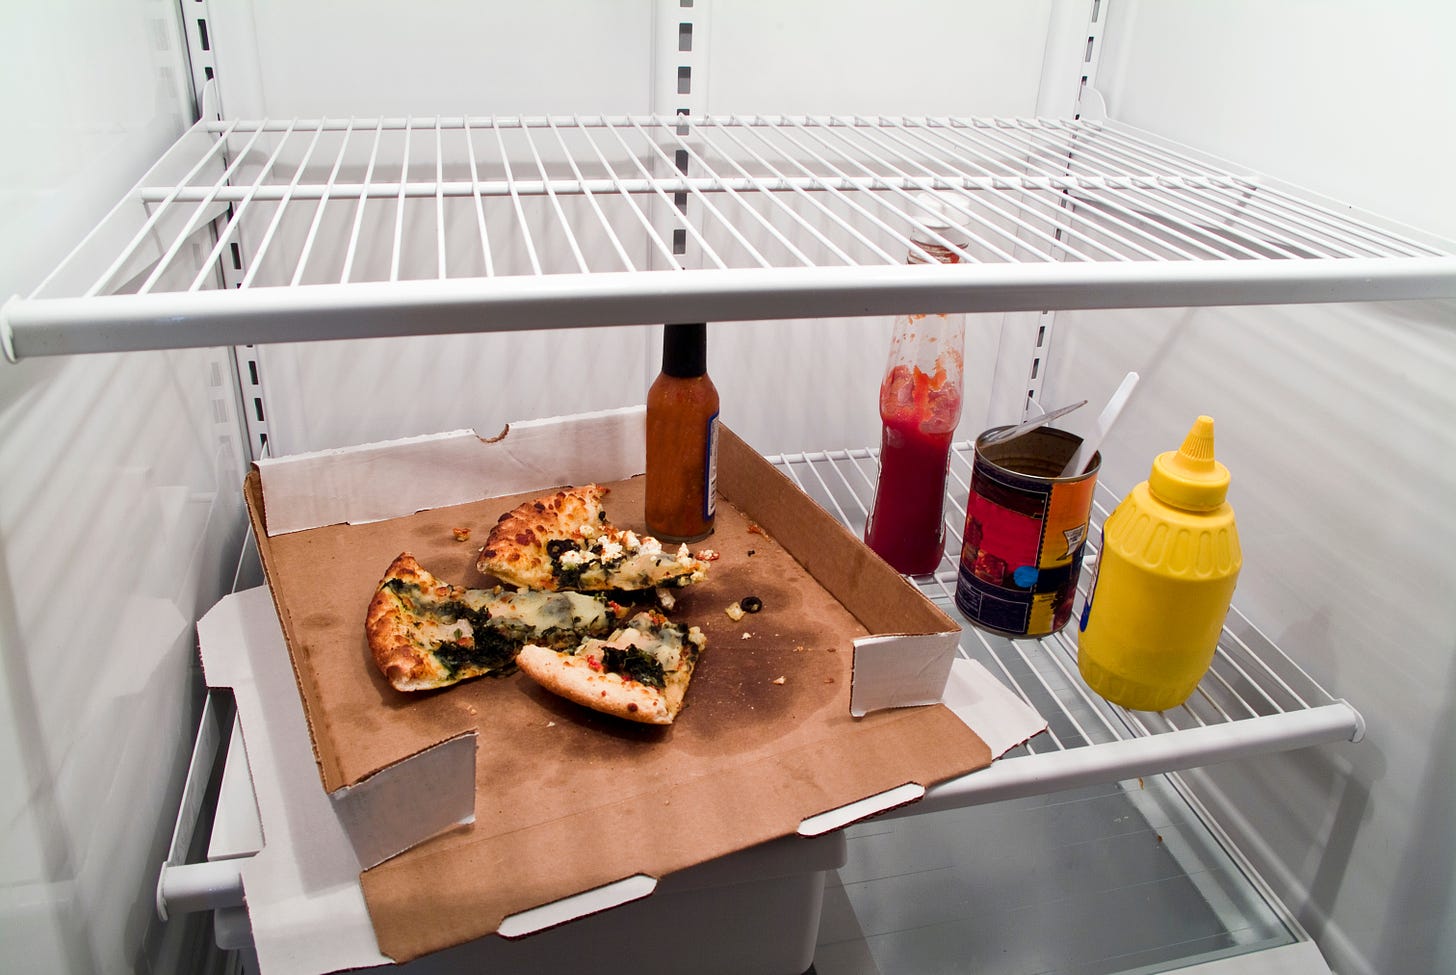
(665,598)
(461,534)
(746,635)
(471,709)
(780,680)
(734,611)
(752,552)
(799,648)
(754,529)
(707,555)
(831,649)
(829,680)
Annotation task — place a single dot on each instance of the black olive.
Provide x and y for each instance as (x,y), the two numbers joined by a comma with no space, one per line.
(750,604)
(557,546)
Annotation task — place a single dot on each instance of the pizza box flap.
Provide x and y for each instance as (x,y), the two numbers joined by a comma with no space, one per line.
(767,739)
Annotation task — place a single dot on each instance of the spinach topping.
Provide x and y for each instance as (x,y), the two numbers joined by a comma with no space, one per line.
(567,576)
(492,651)
(454,609)
(635,663)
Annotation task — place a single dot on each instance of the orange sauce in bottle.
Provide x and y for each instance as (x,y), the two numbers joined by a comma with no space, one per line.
(682,439)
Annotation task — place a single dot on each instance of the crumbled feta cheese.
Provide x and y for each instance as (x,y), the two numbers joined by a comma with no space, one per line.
(610,550)
(735,612)
(629,539)
(574,557)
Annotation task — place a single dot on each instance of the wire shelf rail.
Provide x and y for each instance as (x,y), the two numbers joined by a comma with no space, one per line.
(341,228)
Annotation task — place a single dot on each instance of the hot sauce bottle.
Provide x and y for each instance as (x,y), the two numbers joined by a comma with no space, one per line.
(920,405)
(682,438)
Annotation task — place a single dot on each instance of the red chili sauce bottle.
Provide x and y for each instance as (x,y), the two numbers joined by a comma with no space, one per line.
(682,439)
(920,405)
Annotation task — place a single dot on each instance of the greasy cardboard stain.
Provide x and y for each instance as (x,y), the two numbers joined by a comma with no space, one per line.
(568,799)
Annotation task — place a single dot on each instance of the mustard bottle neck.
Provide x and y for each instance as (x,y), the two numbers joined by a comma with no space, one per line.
(1190,477)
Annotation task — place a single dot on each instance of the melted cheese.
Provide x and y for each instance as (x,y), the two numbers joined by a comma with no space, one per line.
(542,611)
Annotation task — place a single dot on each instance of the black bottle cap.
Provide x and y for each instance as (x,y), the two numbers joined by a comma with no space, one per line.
(685,350)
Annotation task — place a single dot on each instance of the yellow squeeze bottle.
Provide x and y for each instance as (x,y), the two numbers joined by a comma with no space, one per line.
(1164,580)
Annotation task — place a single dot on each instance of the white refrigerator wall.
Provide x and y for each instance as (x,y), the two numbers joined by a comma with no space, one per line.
(120,519)
(1336,424)
(785,386)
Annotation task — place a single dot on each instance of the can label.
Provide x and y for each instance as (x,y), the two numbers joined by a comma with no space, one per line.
(1022,551)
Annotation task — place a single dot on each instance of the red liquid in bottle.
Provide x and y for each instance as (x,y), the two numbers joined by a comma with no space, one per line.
(920,412)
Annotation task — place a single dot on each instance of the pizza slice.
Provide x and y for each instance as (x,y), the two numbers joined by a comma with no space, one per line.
(564,541)
(640,672)
(425,633)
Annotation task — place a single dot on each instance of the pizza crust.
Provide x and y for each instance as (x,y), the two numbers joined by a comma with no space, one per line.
(515,551)
(573,678)
(392,630)
(564,542)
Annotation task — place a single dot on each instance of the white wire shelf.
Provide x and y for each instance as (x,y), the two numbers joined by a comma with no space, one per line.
(308,229)
(1254,700)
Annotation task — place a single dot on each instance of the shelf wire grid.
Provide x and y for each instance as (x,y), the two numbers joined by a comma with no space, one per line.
(494,223)
(1250,679)
(1026,190)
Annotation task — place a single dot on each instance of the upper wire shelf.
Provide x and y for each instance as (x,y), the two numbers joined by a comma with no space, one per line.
(307,229)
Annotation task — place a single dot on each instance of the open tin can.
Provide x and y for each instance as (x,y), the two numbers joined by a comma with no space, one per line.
(1026,528)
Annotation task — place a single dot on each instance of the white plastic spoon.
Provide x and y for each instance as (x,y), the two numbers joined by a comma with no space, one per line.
(1011,433)
(1105,420)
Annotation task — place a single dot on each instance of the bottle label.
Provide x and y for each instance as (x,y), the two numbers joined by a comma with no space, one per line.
(710,468)
(1092,583)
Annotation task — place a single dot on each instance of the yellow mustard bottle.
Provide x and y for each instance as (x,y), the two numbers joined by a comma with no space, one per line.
(1164,580)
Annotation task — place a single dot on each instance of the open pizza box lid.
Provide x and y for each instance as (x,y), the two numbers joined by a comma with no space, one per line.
(483,808)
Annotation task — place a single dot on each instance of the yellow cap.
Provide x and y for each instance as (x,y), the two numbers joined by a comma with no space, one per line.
(1189,477)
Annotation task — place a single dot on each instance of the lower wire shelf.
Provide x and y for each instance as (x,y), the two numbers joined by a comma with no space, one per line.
(1254,700)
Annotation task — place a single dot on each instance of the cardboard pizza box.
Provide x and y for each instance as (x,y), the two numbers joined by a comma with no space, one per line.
(495,807)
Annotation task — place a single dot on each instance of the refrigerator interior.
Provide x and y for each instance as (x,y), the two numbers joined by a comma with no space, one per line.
(122,467)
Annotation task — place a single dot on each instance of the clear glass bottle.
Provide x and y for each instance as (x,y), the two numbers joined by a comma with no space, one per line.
(682,439)
(920,405)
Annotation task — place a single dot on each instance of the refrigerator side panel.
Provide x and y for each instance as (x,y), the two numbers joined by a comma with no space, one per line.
(1335,423)
(120,517)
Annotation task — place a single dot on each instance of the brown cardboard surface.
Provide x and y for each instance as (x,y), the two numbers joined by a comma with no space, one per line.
(567,799)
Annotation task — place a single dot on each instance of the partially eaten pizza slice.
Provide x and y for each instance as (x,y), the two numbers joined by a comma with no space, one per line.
(425,633)
(564,541)
(640,672)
